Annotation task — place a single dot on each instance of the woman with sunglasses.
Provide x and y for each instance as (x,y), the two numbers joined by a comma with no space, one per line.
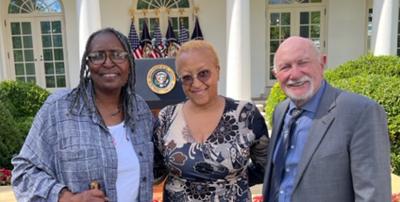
(214,148)
(97,135)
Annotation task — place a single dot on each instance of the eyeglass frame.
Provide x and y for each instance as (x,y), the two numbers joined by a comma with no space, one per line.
(108,54)
(197,76)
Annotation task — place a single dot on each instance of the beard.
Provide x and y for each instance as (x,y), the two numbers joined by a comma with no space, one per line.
(300,99)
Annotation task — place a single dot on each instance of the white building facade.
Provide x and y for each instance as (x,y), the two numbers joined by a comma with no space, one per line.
(42,41)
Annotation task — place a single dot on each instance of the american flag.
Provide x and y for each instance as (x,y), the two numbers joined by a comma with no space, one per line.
(134,41)
(197,33)
(183,33)
(172,42)
(158,43)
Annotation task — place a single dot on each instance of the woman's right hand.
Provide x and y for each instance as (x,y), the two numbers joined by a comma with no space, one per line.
(89,195)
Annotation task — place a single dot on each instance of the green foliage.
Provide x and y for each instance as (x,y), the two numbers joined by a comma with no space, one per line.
(10,137)
(375,77)
(19,104)
(276,96)
(27,98)
(368,64)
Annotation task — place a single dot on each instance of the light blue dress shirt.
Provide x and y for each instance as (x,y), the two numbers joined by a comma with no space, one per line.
(298,142)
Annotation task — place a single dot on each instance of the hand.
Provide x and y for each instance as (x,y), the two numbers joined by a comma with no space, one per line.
(89,195)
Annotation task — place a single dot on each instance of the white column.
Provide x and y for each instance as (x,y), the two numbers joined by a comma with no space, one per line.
(238,48)
(89,20)
(384,27)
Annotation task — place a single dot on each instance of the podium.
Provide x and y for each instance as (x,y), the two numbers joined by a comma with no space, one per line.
(157,83)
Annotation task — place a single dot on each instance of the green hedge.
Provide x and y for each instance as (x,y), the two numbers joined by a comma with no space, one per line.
(10,137)
(19,104)
(375,77)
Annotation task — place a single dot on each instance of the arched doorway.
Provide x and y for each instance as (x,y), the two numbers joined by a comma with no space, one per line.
(36,44)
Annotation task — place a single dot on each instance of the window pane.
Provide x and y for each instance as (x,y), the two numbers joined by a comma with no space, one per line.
(57,41)
(26,28)
(304,18)
(304,31)
(50,82)
(274,33)
(315,17)
(274,18)
(17,42)
(13,9)
(30,68)
(58,54)
(48,68)
(273,46)
(48,54)
(28,42)
(46,40)
(55,7)
(45,27)
(56,26)
(285,32)
(60,68)
(315,1)
(285,18)
(61,81)
(15,28)
(19,69)
(28,55)
(18,57)
(315,31)
(31,79)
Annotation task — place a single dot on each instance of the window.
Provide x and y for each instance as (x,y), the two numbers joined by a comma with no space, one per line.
(292,17)
(37,42)
(29,6)
(153,12)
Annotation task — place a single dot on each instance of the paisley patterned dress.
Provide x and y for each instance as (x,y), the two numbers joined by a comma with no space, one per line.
(224,166)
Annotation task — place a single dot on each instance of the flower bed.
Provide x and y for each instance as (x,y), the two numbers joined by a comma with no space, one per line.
(5,176)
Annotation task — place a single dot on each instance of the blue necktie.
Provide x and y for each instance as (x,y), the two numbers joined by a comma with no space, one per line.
(280,156)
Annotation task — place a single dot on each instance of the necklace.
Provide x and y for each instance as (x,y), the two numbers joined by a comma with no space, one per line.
(116,112)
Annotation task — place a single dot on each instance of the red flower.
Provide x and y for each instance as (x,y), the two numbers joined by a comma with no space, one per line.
(5,176)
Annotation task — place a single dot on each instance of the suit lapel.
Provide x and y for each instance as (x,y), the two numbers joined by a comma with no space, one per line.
(278,119)
(321,123)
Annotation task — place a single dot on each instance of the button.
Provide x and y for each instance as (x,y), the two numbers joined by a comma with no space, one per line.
(287,170)
(291,146)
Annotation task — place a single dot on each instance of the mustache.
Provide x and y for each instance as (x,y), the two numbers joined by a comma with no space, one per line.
(299,81)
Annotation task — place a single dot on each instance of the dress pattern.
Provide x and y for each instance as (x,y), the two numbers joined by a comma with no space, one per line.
(219,169)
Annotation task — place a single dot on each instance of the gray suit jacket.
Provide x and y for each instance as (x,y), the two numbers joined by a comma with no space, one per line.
(347,154)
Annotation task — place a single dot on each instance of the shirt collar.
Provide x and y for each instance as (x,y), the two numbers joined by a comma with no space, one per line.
(312,104)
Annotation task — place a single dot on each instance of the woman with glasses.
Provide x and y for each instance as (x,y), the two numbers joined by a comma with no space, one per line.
(97,135)
(214,147)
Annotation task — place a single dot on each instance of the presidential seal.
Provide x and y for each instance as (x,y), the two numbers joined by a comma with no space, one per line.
(161,79)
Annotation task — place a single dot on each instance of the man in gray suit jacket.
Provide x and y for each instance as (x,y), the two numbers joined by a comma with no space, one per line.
(337,149)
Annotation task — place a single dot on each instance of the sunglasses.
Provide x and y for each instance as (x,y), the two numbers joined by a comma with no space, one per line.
(99,57)
(202,76)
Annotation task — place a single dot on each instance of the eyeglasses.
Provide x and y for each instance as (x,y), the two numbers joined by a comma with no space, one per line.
(202,76)
(99,57)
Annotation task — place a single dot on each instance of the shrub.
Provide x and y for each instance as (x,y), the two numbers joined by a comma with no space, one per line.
(275,96)
(10,137)
(27,98)
(19,104)
(368,64)
(375,77)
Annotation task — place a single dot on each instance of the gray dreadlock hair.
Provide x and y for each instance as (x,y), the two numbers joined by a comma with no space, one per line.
(128,90)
